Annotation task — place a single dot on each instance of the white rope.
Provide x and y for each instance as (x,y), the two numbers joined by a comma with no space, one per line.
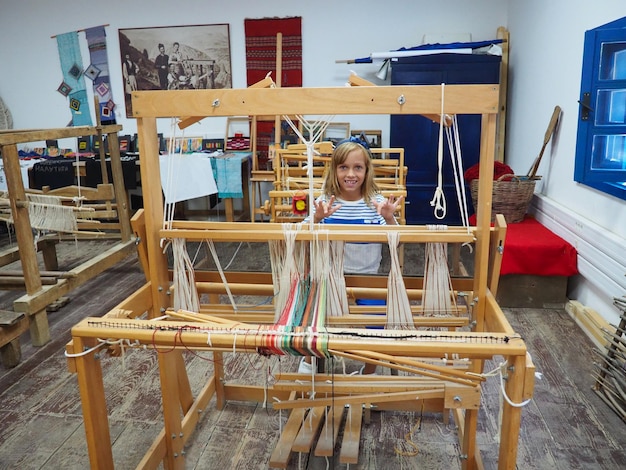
(216,259)
(184,285)
(399,314)
(171,177)
(315,131)
(456,158)
(438,297)
(439,198)
(337,304)
(48,213)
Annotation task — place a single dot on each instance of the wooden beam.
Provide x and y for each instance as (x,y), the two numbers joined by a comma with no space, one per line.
(459,99)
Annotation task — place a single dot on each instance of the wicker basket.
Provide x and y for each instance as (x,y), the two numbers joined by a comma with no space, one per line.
(510,198)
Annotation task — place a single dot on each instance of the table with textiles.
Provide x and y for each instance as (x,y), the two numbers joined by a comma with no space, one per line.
(220,175)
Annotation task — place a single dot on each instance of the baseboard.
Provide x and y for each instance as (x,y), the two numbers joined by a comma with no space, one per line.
(591,322)
(601,254)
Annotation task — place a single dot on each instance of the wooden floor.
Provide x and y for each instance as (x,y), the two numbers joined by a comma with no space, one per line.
(566,426)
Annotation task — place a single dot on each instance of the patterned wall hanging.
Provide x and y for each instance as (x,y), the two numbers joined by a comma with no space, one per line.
(98,73)
(261,59)
(73,85)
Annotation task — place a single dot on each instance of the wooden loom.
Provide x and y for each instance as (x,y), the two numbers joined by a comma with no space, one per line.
(491,334)
(111,199)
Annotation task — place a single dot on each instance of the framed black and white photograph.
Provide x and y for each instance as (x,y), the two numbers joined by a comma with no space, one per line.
(175,58)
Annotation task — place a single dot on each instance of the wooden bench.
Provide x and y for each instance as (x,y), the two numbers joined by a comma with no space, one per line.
(536,266)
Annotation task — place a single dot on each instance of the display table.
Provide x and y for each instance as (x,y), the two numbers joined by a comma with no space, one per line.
(190,176)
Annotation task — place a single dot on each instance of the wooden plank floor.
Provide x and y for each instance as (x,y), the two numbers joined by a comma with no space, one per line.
(566,426)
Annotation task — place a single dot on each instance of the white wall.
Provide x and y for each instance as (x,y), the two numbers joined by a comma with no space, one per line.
(545,63)
(330,30)
(545,70)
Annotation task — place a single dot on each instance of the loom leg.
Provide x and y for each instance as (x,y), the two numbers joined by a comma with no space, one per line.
(49,254)
(218,366)
(95,418)
(11,353)
(469,440)
(39,328)
(511,415)
(171,396)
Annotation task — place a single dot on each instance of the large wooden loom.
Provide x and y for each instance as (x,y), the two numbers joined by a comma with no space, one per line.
(106,205)
(491,334)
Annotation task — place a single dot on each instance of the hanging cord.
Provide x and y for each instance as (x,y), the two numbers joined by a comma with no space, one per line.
(216,259)
(171,177)
(185,292)
(438,298)
(399,314)
(315,131)
(454,145)
(78,200)
(439,198)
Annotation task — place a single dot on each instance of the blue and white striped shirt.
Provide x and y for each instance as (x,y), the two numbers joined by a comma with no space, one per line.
(359,258)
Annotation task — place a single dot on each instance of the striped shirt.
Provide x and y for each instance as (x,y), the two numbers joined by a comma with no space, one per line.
(359,258)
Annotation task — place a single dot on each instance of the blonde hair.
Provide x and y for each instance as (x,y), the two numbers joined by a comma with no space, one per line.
(331,187)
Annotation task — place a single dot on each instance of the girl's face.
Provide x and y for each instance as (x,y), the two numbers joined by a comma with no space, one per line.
(351,175)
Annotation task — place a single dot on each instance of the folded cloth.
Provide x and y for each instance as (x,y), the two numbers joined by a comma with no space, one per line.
(227,172)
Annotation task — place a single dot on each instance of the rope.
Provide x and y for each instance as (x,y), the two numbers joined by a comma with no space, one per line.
(185,292)
(399,314)
(48,213)
(438,298)
(439,198)
(315,131)
(454,145)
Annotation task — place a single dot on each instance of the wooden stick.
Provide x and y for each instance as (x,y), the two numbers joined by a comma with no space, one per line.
(393,364)
(360,399)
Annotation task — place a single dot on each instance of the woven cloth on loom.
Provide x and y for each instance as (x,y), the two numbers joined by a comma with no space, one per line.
(261,59)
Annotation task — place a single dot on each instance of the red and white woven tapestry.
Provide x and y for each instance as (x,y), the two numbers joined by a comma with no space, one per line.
(261,59)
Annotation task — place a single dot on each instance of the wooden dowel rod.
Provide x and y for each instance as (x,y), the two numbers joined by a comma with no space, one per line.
(419,364)
(395,365)
(61,274)
(360,399)
(400,342)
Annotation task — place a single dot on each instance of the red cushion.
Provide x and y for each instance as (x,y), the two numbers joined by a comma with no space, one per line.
(530,248)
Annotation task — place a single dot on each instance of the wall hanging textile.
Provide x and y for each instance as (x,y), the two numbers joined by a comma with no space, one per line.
(73,85)
(261,59)
(98,72)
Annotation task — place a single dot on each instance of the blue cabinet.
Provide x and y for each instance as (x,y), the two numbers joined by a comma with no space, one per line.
(419,136)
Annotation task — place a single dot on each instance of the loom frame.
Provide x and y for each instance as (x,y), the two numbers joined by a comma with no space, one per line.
(180,408)
(38,296)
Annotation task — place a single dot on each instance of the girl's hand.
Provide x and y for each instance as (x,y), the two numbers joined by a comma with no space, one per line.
(324,209)
(387,208)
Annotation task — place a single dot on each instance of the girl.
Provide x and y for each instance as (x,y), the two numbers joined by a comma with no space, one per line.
(350,196)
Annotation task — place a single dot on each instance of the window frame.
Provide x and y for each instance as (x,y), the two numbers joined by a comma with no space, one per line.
(610,181)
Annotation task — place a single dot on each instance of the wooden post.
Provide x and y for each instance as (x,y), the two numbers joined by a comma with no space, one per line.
(121,197)
(153,212)
(91,387)
(512,415)
(39,328)
(170,394)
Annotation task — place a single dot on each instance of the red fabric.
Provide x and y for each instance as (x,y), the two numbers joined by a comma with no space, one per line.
(530,248)
(261,49)
(261,59)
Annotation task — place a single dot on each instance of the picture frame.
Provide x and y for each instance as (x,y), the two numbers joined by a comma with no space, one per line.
(174,58)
